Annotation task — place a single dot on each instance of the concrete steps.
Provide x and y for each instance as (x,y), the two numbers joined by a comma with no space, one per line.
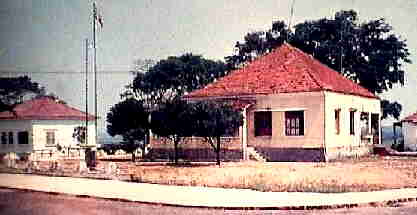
(254,155)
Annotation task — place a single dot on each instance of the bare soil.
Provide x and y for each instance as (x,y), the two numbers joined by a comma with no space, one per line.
(365,174)
(356,175)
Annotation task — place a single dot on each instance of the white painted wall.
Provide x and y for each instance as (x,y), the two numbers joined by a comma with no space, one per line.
(37,133)
(410,136)
(345,102)
(309,102)
(63,132)
(16,126)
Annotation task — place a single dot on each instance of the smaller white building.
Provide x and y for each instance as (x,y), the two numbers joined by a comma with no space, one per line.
(409,129)
(41,125)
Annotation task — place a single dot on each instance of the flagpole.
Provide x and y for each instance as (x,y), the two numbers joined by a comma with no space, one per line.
(86,92)
(95,67)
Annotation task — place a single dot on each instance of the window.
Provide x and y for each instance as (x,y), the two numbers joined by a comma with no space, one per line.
(337,120)
(3,138)
(294,123)
(11,138)
(364,124)
(375,127)
(375,123)
(352,122)
(50,138)
(263,123)
(23,137)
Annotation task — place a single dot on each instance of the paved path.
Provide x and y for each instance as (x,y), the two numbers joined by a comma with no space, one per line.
(197,196)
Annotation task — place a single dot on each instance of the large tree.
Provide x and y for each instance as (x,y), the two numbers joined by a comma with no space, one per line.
(13,89)
(368,53)
(173,120)
(174,76)
(130,120)
(212,120)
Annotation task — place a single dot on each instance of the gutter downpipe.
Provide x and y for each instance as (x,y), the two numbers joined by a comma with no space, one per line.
(324,130)
(245,133)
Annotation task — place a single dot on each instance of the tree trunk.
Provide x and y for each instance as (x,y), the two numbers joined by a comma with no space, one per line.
(133,156)
(176,152)
(218,151)
(146,143)
(143,148)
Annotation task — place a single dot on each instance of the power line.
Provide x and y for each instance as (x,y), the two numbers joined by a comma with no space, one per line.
(64,72)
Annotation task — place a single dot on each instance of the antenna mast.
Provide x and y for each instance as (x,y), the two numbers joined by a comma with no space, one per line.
(291,16)
(341,46)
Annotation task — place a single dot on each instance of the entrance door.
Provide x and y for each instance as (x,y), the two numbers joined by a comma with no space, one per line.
(375,128)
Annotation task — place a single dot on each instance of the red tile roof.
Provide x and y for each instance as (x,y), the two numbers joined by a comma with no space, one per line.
(411,118)
(284,70)
(44,109)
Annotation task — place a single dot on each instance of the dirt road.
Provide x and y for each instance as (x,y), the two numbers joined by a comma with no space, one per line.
(13,202)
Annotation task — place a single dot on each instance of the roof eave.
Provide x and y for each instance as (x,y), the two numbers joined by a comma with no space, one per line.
(220,97)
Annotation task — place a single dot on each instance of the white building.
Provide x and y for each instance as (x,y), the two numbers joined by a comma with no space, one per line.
(409,129)
(298,109)
(40,125)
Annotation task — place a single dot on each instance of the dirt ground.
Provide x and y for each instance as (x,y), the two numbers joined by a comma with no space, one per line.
(365,174)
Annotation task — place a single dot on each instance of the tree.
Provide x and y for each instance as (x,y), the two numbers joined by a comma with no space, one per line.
(257,43)
(393,108)
(173,120)
(174,76)
(158,85)
(110,149)
(368,53)
(13,89)
(212,120)
(129,119)
(80,134)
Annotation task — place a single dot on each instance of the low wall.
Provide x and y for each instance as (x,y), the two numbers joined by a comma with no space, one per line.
(73,168)
(292,154)
(196,149)
(339,153)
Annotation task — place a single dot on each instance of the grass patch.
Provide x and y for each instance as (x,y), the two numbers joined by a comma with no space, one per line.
(356,175)
(5,169)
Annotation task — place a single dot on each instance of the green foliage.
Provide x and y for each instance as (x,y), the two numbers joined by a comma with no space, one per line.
(159,86)
(259,42)
(213,120)
(172,77)
(391,108)
(368,53)
(178,119)
(129,119)
(80,134)
(13,89)
(110,149)
(173,120)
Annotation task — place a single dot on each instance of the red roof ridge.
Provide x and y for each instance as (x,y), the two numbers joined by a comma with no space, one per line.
(410,118)
(286,69)
(45,108)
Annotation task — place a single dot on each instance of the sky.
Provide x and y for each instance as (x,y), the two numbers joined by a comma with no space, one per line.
(45,39)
